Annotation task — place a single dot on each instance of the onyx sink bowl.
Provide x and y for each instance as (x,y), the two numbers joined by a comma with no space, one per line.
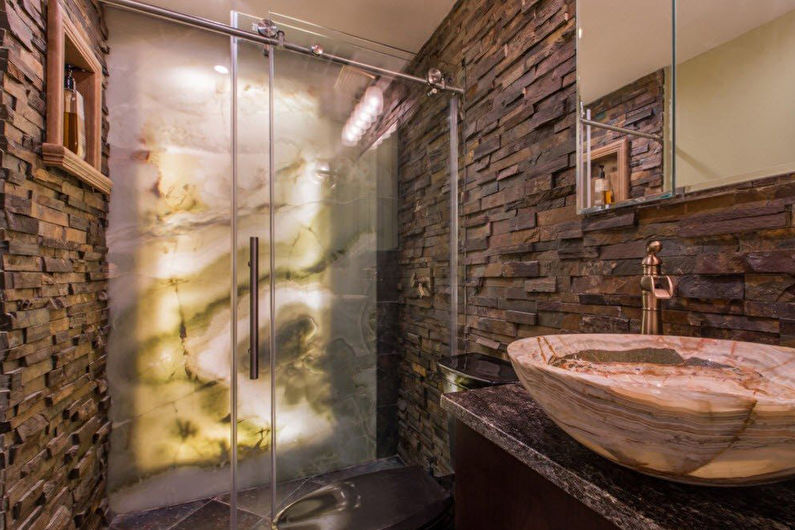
(693,410)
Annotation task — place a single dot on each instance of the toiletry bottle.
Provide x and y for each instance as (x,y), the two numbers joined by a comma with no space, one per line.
(608,194)
(74,120)
(599,192)
(599,188)
(608,190)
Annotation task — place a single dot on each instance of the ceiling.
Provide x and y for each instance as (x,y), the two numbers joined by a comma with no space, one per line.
(624,40)
(403,24)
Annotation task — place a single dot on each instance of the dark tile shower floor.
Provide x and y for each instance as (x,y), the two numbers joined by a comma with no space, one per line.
(253,504)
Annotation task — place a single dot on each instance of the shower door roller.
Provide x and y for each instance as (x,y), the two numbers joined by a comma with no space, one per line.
(253,314)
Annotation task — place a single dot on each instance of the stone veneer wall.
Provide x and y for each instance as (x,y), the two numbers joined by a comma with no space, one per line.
(53,395)
(533,266)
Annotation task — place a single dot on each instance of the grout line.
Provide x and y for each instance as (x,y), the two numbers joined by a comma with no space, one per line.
(207,501)
(238,509)
(292,492)
(258,521)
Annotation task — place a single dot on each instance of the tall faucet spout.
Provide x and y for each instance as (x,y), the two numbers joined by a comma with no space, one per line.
(654,287)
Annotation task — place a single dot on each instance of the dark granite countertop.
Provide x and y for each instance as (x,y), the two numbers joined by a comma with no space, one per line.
(509,417)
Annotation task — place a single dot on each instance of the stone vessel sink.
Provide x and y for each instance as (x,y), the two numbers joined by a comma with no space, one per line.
(693,410)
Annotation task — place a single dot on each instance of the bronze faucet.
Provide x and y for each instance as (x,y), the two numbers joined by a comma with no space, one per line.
(651,292)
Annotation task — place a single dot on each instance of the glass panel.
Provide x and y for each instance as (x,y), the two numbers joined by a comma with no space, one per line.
(734,90)
(335,246)
(456,264)
(169,240)
(426,313)
(625,99)
(335,219)
(253,403)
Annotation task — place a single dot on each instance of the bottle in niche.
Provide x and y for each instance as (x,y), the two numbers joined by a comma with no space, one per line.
(607,189)
(600,185)
(74,118)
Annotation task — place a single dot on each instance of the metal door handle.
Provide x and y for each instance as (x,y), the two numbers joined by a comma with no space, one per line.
(253,313)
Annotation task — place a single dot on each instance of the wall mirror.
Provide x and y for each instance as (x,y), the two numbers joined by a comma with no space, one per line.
(625,75)
(735,91)
(682,96)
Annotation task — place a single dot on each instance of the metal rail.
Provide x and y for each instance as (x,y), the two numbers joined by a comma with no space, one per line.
(224,29)
(600,125)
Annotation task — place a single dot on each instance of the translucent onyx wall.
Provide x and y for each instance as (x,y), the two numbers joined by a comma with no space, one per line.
(170,239)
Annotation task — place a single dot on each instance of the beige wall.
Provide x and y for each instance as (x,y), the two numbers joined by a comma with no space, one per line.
(735,108)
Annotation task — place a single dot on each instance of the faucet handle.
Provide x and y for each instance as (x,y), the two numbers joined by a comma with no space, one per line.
(667,291)
(659,287)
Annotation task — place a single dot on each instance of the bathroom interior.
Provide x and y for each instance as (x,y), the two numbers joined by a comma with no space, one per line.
(369,265)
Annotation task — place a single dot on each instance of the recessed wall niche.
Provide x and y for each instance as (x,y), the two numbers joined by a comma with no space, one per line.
(67,44)
(614,160)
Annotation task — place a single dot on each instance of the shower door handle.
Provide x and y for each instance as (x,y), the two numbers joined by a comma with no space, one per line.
(253,313)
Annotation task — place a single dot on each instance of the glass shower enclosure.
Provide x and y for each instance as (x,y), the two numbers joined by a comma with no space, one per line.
(258,267)
(326,227)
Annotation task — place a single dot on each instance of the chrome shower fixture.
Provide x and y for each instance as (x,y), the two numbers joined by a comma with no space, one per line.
(317,49)
(435,80)
(264,32)
(364,115)
(435,76)
(267,28)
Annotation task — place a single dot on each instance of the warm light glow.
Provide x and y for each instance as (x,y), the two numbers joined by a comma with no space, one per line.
(364,115)
(349,136)
(374,99)
(221,69)
(361,121)
(299,424)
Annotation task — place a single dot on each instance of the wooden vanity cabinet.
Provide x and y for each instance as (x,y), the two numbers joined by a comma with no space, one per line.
(495,491)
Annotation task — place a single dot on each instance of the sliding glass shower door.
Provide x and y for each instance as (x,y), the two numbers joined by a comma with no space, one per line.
(317,165)
(251,392)
(333,238)
(336,221)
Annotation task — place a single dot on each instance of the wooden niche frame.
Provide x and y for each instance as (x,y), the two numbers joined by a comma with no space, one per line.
(68,44)
(619,181)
